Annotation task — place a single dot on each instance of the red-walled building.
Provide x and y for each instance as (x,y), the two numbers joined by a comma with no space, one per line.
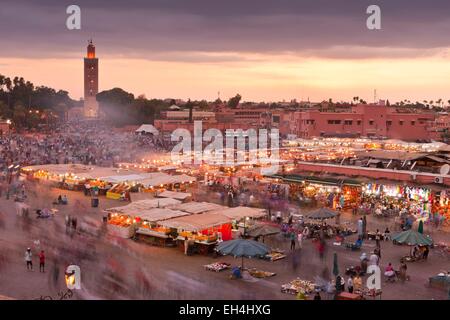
(366,120)
(361,120)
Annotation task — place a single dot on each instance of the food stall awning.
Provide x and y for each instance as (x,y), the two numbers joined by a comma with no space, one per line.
(175,195)
(135,207)
(80,171)
(160,214)
(198,207)
(318,180)
(124,178)
(196,222)
(164,179)
(167,168)
(238,213)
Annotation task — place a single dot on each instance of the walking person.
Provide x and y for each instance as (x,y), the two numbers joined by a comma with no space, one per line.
(292,241)
(42,261)
(55,274)
(350,284)
(28,259)
(360,228)
(321,248)
(378,238)
(300,239)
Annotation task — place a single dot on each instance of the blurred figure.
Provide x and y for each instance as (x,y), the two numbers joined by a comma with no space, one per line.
(55,274)
(42,261)
(28,259)
(295,260)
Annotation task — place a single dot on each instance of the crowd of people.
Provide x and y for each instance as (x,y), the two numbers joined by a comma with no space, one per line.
(84,142)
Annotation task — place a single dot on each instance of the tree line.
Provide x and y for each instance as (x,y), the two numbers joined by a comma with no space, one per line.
(27,105)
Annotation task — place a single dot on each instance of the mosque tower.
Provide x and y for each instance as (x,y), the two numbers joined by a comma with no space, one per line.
(90,109)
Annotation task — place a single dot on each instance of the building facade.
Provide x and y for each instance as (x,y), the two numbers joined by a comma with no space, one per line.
(363,120)
(90,109)
(376,121)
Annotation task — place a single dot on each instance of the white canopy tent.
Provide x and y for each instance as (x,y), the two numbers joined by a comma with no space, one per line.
(198,207)
(147,128)
(139,206)
(160,214)
(167,179)
(175,195)
(238,213)
(196,223)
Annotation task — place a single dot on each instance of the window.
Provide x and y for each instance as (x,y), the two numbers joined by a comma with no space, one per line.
(413,123)
(334,121)
(401,122)
(358,122)
(389,123)
(348,122)
(371,122)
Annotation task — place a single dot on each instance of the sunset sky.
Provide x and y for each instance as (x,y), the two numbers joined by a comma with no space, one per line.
(264,50)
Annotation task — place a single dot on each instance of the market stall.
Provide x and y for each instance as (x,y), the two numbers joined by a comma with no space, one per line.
(204,230)
(119,191)
(148,229)
(163,182)
(139,206)
(242,217)
(417,200)
(182,196)
(198,207)
(121,225)
(139,218)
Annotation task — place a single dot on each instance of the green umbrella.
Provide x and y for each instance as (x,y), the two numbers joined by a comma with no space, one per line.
(335,265)
(420,228)
(412,238)
(243,248)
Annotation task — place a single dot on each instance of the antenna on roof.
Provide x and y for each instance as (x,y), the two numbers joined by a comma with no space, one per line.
(375,96)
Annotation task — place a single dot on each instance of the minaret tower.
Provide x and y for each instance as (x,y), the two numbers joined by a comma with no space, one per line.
(90,82)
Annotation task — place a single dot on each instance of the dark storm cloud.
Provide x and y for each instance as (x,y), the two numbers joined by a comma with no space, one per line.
(151,28)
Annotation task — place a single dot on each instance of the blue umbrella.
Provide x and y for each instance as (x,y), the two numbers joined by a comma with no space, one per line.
(243,248)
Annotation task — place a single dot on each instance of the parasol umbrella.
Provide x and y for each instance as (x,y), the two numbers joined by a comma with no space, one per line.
(420,228)
(412,238)
(322,214)
(243,248)
(262,231)
(335,265)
